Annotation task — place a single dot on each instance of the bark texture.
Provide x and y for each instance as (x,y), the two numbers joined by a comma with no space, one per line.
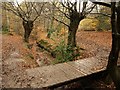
(114,54)
(75,19)
(28,27)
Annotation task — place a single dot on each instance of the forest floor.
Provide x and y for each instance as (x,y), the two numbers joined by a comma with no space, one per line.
(13,47)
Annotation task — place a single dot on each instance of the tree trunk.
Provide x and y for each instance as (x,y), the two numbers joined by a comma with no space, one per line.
(72,36)
(28,27)
(113,57)
(75,19)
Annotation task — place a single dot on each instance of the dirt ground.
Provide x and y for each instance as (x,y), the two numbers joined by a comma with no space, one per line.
(93,43)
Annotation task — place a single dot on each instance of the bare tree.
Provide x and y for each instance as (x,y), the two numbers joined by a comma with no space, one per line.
(28,12)
(112,68)
(74,11)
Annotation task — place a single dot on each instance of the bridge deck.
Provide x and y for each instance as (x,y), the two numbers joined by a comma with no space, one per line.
(48,76)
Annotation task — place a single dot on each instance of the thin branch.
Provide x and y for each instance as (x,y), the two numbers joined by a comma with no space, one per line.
(69,8)
(84,6)
(66,15)
(35,8)
(61,22)
(97,8)
(15,9)
(19,7)
(11,8)
(30,8)
(27,12)
(38,13)
(79,5)
(75,6)
(91,9)
(101,3)
(107,15)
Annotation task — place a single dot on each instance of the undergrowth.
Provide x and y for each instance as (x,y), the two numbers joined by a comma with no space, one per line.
(64,53)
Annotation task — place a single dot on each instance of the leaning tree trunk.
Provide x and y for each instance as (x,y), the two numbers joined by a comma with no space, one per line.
(75,19)
(114,54)
(28,27)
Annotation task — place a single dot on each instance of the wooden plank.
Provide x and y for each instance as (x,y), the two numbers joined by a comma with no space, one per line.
(70,71)
(49,75)
(88,62)
(60,73)
(89,65)
(55,74)
(94,64)
(80,67)
(33,72)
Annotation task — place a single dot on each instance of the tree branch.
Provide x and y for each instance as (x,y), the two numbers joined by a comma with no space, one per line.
(90,9)
(61,22)
(107,15)
(38,13)
(101,3)
(11,8)
(84,6)
(19,7)
(65,14)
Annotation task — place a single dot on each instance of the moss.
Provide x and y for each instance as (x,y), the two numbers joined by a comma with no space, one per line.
(45,45)
(43,42)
